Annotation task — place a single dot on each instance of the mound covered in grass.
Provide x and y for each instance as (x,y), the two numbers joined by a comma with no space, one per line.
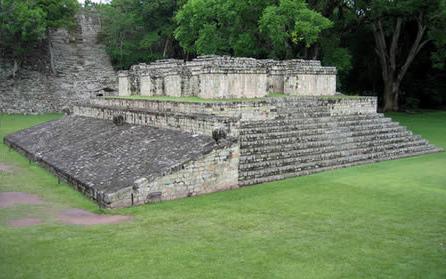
(380,220)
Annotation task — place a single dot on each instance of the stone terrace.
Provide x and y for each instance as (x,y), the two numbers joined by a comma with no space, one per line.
(169,150)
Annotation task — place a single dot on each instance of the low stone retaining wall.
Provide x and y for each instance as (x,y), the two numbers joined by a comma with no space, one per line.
(192,123)
(249,110)
(205,118)
(216,171)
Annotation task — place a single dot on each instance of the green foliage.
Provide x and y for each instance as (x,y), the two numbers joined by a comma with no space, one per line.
(24,24)
(438,35)
(59,13)
(248,28)
(21,26)
(137,31)
(333,54)
(292,20)
(220,27)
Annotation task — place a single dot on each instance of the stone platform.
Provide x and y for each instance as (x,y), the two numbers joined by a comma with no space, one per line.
(168,150)
(111,164)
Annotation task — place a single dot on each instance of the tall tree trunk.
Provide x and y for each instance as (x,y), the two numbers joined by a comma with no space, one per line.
(392,76)
(315,51)
(391,95)
(50,52)
(166,47)
(15,68)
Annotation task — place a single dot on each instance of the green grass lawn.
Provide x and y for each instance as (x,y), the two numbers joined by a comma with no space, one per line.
(381,220)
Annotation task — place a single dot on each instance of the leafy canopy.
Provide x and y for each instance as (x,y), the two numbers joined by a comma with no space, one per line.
(138,31)
(23,24)
(248,28)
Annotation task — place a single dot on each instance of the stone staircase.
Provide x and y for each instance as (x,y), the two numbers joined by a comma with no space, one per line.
(308,137)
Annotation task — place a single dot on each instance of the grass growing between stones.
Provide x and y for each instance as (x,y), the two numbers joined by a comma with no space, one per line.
(380,220)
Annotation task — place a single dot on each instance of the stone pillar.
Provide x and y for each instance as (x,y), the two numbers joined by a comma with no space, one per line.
(124,84)
(146,85)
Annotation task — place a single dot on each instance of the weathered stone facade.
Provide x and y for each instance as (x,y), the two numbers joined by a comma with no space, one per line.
(166,150)
(222,77)
(82,69)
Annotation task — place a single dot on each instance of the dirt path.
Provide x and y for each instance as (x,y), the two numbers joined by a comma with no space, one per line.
(77,216)
(69,216)
(6,168)
(24,222)
(10,199)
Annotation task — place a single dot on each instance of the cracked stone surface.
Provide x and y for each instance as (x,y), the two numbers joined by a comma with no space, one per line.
(106,157)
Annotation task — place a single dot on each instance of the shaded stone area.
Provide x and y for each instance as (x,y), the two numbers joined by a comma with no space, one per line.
(10,199)
(100,158)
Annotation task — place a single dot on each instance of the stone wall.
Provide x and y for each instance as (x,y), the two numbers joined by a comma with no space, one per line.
(216,171)
(205,118)
(192,123)
(82,70)
(255,110)
(228,77)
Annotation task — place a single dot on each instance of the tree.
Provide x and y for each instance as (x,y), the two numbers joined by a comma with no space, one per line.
(331,48)
(390,22)
(24,24)
(138,31)
(221,27)
(58,14)
(256,28)
(21,26)
(291,23)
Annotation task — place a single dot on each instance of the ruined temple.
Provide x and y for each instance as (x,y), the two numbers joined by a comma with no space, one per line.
(124,151)
(224,77)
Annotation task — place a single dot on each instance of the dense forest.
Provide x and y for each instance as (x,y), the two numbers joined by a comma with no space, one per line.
(394,49)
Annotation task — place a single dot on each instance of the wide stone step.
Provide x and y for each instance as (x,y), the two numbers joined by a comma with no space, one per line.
(285,154)
(334,164)
(333,135)
(380,138)
(314,131)
(326,123)
(305,120)
(326,155)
